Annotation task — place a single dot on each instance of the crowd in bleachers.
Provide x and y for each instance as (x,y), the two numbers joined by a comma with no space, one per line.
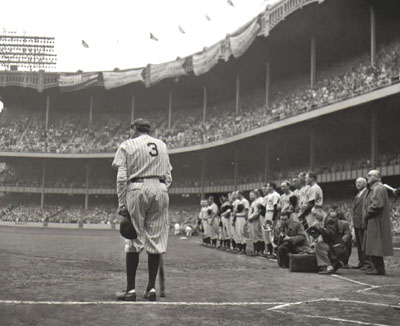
(72,132)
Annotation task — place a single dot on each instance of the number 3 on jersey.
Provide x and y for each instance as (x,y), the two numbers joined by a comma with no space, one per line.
(154,150)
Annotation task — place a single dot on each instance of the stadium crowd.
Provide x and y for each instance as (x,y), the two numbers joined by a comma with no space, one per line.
(296,228)
(25,131)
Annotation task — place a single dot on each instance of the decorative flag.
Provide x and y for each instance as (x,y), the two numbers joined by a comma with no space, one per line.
(230,3)
(208,17)
(181,29)
(84,44)
(152,37)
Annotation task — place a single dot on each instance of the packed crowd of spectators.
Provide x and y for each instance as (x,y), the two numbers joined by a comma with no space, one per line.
(25,131)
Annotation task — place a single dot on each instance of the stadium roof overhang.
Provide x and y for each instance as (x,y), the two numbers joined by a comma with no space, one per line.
(233,46)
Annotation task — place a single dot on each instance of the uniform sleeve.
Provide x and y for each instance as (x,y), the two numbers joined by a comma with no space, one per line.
(277,200)
(119,158)
(168,176)
(311,194)
(119,163)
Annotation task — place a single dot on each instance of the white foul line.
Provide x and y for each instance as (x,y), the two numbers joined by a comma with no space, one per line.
(332,318)
(160,303)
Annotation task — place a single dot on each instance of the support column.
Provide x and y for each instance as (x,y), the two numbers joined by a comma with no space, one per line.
(43,183)
(236,168)
(47,111)
(237,93)
(374,140)
(91,109)
(267,164)
(312,149)
(133,109)
(373,36)
(267,86)
(204,103)
(313,62)
(203,174)
(87,185)
(170,109)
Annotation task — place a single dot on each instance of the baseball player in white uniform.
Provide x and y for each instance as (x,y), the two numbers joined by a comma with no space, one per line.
(302,195)
(315,199)
(226,210)
(241,210)
(254,224)
(213,220)
(203,217)
(143,178)
(235,201)
(272,206)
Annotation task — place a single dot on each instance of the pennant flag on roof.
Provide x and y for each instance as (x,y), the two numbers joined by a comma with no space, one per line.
(208,17)
(181,29)
(84,44)
(152,37)
(230,3)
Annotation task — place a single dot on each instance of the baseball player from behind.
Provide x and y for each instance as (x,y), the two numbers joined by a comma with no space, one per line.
(143,178)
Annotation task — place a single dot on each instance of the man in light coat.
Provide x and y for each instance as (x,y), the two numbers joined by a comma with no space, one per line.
(378,241)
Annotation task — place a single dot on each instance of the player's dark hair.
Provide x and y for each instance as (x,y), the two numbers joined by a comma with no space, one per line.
(312,174)
(272,184)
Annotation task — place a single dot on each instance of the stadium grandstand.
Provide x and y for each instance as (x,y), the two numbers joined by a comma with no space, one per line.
(270,100)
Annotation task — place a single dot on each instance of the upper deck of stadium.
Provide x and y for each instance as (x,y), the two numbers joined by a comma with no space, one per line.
(294,62)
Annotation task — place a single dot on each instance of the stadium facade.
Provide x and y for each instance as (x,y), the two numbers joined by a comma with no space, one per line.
(302,86)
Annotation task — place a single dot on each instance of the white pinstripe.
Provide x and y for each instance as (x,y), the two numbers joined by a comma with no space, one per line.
(147,202)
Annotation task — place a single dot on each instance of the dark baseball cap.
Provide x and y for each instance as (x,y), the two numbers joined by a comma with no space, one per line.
(141,125)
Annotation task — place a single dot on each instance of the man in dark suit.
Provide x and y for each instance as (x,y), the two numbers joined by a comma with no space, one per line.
(290,237)
(330,250)
(358,222)
(378,241)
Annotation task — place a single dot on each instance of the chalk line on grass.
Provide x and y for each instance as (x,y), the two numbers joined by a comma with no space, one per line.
(157,303)
(331,318)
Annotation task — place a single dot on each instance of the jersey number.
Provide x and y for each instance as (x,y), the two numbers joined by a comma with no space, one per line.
(154,150)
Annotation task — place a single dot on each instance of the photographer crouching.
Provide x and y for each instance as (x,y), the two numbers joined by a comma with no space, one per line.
(291,238)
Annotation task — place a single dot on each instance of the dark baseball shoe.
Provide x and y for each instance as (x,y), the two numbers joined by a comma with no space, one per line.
(126,296)
(152,295)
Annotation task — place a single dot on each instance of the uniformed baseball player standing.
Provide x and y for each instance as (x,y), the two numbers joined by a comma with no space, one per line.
(314,199)
(241,210)
(272,206)
(254,224)
(302,194)
(203,217)
(213,220)
(226,209)
(143,178)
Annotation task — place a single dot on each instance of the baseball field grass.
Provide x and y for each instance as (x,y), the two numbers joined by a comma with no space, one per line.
(69,277)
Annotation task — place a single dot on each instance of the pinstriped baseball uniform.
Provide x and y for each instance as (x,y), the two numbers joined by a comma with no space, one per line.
(146,200)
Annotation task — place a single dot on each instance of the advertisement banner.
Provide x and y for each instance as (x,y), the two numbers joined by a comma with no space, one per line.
(241,42)
(115,79)
(76,82)
(158,72)
(205,60)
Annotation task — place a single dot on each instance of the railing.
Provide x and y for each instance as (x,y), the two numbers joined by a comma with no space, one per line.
(326,177)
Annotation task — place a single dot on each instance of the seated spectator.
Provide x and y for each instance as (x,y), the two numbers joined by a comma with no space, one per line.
(290,237)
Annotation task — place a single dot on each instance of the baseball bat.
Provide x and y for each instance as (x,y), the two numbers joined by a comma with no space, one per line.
(161,278)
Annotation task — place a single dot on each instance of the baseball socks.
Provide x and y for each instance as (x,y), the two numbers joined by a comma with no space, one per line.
(153,265)
(132,261)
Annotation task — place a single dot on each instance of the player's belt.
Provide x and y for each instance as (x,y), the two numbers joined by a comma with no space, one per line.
(141,180)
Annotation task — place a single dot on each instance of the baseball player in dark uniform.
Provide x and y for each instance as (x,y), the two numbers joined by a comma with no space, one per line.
(143,178)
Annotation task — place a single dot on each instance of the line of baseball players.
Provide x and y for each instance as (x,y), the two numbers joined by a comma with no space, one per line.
(304,226)
(239,220)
